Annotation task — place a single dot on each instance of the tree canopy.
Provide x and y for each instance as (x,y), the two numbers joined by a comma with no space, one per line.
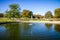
(13,12)
(48,14)
(57,13)
(37,16)
(26,14)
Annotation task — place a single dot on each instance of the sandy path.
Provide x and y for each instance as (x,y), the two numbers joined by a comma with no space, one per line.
(43,21)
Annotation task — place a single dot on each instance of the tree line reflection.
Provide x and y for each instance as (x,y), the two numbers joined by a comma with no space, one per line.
(56,27)
(13,31)
(16,30)
(48,25)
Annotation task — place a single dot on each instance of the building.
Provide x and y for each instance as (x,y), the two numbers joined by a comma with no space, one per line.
(1,15)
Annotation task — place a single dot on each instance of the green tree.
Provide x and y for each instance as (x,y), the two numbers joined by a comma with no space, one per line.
(48,14)
(57,13)
(13,12)
(26,14)
(37,16)
(8,15)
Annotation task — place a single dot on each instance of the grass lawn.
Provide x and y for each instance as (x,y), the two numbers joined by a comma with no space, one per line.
(6,20)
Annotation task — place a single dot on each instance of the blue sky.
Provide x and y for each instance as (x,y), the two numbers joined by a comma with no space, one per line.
(37,6)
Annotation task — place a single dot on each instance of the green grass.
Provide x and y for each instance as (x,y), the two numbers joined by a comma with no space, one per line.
(11,20)
(6,20)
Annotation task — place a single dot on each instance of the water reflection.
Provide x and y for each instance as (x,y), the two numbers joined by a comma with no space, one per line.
(48,25)
(57,27)
(13,29)
(2,29)
(3,32)
(26,29)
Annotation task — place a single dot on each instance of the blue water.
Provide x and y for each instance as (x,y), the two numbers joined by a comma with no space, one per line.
(29,31)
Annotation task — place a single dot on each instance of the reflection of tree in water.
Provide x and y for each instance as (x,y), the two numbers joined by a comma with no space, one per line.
(57,27)
(13,29)
(26,29)
(25,26)
(48,25)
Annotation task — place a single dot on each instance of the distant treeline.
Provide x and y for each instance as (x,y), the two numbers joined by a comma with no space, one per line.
(14,12)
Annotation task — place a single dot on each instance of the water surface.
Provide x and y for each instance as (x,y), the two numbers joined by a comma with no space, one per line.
(29,31)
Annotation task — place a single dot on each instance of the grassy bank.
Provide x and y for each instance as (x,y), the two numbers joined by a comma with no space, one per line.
(7,20)
(19,20)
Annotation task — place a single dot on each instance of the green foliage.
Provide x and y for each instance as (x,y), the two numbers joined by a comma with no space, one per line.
(14,6)
(8,15)
(48,15)
(57,13)
(13,12)
(37,16)
(26,14)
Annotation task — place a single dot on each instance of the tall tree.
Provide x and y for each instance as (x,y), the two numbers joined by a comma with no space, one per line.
(14,11)
(57,13)
(26,14)
(8,15)
(48,14)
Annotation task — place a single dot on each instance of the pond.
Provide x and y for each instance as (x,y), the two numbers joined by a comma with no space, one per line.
(29,31)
